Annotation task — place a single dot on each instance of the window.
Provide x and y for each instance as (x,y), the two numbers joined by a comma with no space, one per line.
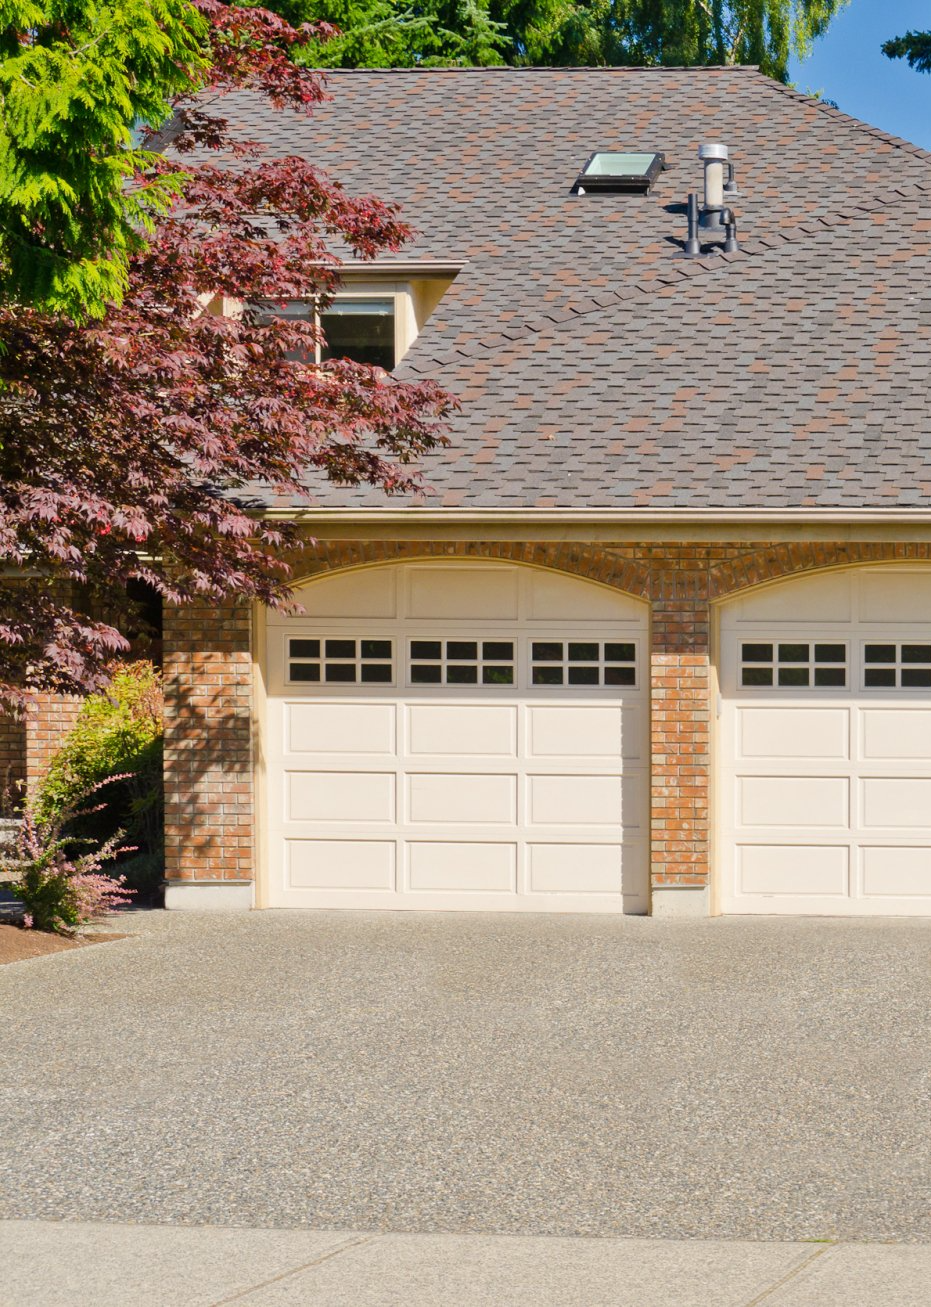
(793,664)
(356,328)
(583,662)
(462,662)
(340,660)
(613,170)
(897,666)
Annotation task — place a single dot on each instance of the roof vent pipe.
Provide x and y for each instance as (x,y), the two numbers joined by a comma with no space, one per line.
(713,215)
(714,157)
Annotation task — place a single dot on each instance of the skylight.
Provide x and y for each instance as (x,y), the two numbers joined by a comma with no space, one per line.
(610,170)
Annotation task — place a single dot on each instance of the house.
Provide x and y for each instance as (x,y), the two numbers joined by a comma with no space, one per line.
(658,637)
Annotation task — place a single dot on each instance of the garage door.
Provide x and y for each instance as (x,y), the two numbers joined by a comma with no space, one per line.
(825,746)
(457,736)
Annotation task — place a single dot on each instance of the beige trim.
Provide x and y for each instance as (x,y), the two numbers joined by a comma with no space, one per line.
(602,526)
(259,769)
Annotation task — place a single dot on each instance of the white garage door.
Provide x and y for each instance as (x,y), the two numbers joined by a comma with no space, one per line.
(825,746)
(458,736)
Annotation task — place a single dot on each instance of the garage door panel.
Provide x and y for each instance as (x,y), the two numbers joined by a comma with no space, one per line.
(585,731)
(340,864)
(793,733)
(574,801)
(793,869)
(466,867)
(473,730)
(575,868)
(479,594)
(787,802)
(897,872)
(890,734)
(321,796)
(899,597)
(340,728)
(896,802)
(462,799)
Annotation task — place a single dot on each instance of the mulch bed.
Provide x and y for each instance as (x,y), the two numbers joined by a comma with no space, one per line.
(17,944)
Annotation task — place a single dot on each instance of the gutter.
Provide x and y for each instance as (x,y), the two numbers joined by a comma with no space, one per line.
(603,517)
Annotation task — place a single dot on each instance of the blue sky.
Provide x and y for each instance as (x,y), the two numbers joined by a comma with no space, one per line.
(848,66)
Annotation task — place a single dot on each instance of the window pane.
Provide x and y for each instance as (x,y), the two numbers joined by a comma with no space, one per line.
(916,675)
(916,653)
(498,649)
(830,676)
(380,672)
(361,330)
(757,676)
(619,653)
(463,675)
(425,649)
(620,676)
(547,676)
(305,648)
(757,653)
(498,675)
(461,649)
(376,648)
(547,652)
(583,675)
(340,672)
(583,653)
(305,671)
(340,648)
(877,676)
(830,653)
(794,653)
(426,674)
(880,653)
(793,675)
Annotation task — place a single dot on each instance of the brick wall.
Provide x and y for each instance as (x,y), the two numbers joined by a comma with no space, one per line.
(12,753)
(48,719)
(209,826)
(209,796)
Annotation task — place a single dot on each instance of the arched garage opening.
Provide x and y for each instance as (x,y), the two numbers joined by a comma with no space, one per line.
(457,735)
(824,745)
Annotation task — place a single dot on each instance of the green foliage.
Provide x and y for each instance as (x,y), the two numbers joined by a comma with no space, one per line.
(75,77)
(117,734)
(379,33)
(915,47)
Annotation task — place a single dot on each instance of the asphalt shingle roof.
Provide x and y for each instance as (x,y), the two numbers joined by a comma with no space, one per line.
(596,367)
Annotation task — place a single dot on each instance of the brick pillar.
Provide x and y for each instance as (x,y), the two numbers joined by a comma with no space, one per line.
(209,810)
(48,719)
(681,757)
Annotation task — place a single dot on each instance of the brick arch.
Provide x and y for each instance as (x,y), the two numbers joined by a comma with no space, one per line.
(758,566)
(587,562)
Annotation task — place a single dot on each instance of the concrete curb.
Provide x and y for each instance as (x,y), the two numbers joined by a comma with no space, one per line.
(70,1264)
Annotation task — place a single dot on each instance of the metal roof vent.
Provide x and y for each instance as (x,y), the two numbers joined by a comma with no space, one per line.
(608,171)
(714,215)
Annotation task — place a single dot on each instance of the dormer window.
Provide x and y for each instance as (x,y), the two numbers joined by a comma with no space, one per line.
(363,330)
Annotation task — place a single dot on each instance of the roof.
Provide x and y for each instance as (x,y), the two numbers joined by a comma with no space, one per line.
(598,369)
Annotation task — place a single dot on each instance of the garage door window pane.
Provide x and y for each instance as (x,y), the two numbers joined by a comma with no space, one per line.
(584,662)
(897,666)
(583,675)
(545,675)
(338,660)
(793,664)
(462,662)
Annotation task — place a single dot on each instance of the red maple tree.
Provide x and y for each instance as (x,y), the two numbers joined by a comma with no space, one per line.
(129,446)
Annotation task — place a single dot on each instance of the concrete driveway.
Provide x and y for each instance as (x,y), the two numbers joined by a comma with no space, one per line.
(730,1079)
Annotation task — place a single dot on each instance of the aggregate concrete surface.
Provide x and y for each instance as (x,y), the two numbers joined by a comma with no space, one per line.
(759,1079)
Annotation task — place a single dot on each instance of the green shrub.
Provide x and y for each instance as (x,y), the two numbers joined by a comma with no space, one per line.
(118,735)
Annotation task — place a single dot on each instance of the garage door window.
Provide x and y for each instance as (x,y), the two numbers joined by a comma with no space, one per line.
(461,662)
(897,666)
(793,665)
(339,660)
(583,662)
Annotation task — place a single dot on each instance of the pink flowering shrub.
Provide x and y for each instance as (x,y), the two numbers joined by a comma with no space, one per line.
(58,888)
